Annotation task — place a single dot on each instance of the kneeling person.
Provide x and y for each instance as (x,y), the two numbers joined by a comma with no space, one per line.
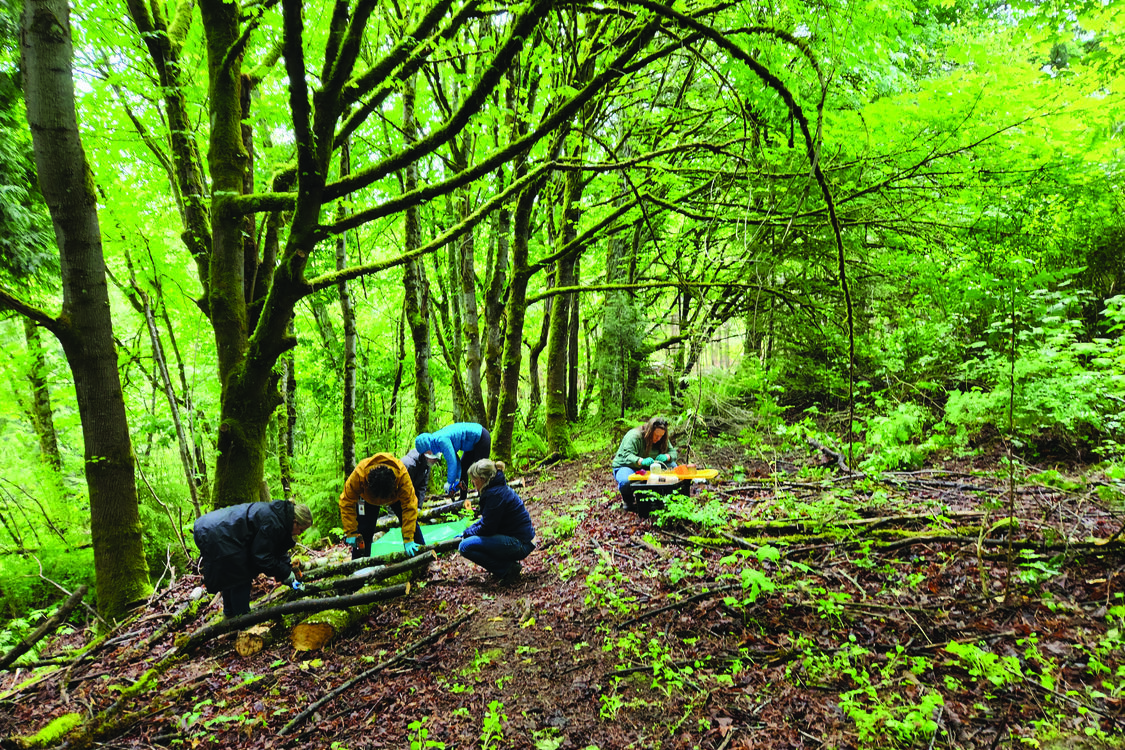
(503,535)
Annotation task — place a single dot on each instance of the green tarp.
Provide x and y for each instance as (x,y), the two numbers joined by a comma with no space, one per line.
(391,542)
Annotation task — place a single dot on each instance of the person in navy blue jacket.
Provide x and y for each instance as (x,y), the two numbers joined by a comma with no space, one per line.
(470,438)
(503,534)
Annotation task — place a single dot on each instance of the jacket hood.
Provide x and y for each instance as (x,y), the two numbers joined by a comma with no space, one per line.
(424,443)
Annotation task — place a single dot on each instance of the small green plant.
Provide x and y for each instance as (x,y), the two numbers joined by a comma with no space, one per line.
(999,670)
(492,727)
(419,736)
(606,586)
(610,706)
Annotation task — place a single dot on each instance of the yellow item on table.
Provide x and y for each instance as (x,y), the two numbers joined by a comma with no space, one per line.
(679,473)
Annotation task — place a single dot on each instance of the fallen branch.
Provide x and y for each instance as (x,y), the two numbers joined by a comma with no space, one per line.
(47,627)
(193,641)
(301,717)
(780,527)
(833,456)
(425,555)
(682,603)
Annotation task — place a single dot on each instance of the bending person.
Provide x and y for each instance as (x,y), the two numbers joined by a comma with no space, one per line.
(470,438)
(503,534)
(239,542)
(379,480)
(641,447)
(418,467)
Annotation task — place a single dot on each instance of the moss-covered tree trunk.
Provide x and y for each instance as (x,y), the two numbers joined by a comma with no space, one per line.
(573,328)
(515,312)
(347,315)
(558,340)
(417,290)
(494,311)
(84,327)
(42,415)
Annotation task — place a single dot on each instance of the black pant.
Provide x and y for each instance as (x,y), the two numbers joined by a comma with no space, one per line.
(471,456)
(236,600)
(368,532)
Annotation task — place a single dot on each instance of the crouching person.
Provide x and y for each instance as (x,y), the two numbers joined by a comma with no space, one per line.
(502,535)
(241,541)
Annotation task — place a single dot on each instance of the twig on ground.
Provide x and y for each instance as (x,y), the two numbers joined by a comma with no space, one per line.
(299,718)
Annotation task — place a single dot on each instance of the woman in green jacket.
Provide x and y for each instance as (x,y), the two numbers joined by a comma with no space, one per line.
(641,447)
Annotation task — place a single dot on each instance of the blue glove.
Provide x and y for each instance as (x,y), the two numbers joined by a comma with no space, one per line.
(451,487)
(297,586)
(646,462)
(663,458)
(411,548)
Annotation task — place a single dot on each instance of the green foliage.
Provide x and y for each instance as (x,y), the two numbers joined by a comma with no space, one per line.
(1068,388)
(893,439)
(608,587)
(998,670)
(705,509)
(419,734)
(23,588)
(492,726)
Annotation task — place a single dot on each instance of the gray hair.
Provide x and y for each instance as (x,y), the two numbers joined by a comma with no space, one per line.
(485,469)
(302,516)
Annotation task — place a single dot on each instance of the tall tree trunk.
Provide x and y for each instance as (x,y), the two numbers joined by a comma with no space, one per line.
(84,328)
(347,438)
(515,311)
(396,388)
(572,350)
(417,305)
(494,310)
(558,431)
(199,460)
(555,398)
(170,393)
(535,395)
(42,416)
(287,423)
(470,319)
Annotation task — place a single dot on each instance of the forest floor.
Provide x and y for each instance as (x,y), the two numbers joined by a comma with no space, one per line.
(811,609)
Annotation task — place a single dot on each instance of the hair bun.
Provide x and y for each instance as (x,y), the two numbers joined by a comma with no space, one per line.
(500,466)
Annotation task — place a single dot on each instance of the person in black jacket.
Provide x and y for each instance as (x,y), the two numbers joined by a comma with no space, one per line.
(239,542)
(503,535)
(418,467)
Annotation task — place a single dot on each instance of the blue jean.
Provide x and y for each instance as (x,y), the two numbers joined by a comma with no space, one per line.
(494,553)
(621,476)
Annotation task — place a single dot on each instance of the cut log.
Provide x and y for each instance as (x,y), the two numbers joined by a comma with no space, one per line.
(317,631)
(254,639)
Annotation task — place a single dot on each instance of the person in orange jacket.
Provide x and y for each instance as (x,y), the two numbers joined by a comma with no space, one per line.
(379,480)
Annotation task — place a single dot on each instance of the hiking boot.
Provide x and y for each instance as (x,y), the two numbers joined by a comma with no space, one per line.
(512,575)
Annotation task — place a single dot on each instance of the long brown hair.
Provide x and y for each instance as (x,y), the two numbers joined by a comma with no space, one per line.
(650,427)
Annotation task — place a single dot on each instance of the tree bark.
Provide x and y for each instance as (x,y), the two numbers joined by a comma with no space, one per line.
(347,438)
(507,407)
(417,289)
(84,328)
(42,415)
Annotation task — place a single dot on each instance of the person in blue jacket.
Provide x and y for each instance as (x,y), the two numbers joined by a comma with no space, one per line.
(503,534)
(470,438)
(238,542)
